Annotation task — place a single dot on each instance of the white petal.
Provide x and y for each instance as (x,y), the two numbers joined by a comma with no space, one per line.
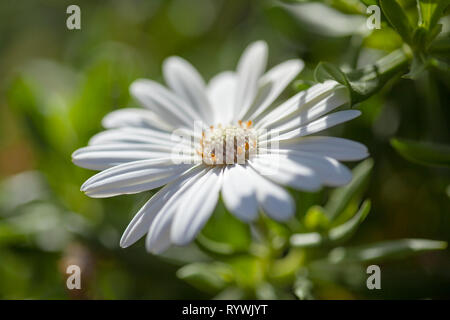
(187,83)
(141,222)
(134,117)
(250,68)
(221,93)
(284,171)
(301,101)
(104,156)
(274,200)
(164,103)
(329,171)
(296,119)
(158,237)
(273,83)
(239,193)
(133,177)
(320,124)
(196,207)
(337,148)
(138,136)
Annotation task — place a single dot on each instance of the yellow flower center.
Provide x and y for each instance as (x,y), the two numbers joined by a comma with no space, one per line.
(228,144)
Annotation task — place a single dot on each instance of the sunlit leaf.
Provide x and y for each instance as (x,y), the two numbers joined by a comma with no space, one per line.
(430,11)
(316,218)
(347,229)
(384,250)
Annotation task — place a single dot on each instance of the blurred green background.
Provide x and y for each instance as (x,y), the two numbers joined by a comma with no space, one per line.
(57,84)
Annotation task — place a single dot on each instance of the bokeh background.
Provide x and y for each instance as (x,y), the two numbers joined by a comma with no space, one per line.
(57,84)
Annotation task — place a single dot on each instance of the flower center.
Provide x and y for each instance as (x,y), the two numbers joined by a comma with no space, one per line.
(228,144)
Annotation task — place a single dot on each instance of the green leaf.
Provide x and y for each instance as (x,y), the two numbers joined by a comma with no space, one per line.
(384,250)
(369,2)
(248,271)
(10,234)
(424,153)
(316,219)
(334,235)
(363,83)
(418,67)
(325,71)
(347,229)
(341,197)
(206,277)
(396,16)
(420,38)
(430,11)
(440,46)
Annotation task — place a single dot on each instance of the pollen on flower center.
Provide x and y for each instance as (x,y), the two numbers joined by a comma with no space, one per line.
(228,144)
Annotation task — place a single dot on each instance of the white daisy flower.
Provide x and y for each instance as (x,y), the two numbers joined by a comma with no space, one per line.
(232,157)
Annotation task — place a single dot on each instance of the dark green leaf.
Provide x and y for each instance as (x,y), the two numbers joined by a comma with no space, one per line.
(425,153)
(397,18)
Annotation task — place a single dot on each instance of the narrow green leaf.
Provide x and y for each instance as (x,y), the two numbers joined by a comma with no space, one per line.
(397,18)
(424,153)
(384,250)
(418,67)
(347,229)
(430,11)
(341,197)
(325,71)
(440,46)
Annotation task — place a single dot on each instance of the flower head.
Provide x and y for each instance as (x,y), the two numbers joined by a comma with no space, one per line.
(244,148)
